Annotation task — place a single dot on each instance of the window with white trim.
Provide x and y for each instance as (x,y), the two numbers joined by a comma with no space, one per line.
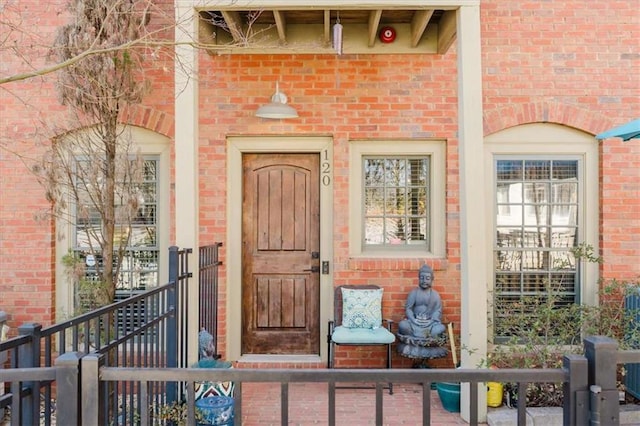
(544,188)
(144,261)
(397,198)
(537,227)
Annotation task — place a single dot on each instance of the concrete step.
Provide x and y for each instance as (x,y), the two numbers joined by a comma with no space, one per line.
(552,416)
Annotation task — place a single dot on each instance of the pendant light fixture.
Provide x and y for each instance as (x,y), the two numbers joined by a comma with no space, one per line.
(277,108)
(337,35)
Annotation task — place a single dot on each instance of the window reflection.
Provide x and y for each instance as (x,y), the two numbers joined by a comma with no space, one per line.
(136,229)
(396,201)
(536,227)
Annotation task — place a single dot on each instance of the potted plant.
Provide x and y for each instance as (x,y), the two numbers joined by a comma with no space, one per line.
(210,359)
(215,410)
(449,394)
(175,413)
(213,399)
(205,389)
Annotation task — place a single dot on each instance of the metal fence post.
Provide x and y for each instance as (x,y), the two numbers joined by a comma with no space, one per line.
(29,357)
(68,388)
(93,404)
(575,406)
(601,353)
(172,322)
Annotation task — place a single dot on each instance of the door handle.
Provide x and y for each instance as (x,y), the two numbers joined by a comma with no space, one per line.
(312,269)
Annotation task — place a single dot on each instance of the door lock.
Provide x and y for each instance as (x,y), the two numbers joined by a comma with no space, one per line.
(312,269)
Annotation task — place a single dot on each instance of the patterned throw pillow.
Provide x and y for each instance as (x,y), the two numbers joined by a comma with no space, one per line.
(361,308)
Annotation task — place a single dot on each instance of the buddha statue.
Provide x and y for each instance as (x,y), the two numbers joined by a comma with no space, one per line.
(421,334)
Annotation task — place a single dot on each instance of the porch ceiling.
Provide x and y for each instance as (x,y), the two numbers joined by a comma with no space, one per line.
(309,29)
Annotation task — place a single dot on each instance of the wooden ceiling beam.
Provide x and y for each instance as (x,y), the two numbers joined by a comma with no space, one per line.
(419,23)
(234,24)
(281,25)
(374,21)
(447,30)
(284,28)
(327,27)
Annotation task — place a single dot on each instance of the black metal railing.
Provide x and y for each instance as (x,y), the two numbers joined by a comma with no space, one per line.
(148,330)
(332,377)
(589,385)
(208,265)
(113,363)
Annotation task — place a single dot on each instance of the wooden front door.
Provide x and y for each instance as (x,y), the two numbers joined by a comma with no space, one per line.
(280,254)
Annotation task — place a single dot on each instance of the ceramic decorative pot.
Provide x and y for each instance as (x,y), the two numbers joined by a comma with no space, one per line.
(216,411)
(449,394)
(209,389)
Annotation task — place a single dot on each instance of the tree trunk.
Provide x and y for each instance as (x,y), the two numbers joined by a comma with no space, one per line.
(109,219)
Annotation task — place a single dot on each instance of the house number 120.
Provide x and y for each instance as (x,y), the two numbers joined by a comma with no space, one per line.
(326,169)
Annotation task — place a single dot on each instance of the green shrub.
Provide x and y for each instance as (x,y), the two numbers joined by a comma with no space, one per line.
(542,329)
(175,414)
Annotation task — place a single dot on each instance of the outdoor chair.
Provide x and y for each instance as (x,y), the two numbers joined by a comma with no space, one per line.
(358,321)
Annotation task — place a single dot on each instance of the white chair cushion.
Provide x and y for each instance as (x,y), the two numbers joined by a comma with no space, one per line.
(372,336)
(361,308)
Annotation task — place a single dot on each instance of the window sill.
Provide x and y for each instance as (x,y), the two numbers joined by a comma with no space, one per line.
(396,262)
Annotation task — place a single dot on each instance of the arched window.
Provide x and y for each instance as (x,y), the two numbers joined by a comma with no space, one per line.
(544,199)
(143,228)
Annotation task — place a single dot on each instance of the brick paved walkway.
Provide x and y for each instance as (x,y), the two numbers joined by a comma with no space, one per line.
(308,405)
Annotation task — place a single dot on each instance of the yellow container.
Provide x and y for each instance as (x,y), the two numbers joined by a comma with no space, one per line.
(494,394)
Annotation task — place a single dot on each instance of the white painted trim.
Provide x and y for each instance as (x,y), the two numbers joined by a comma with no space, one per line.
(236,146)
(187,221)
(436,149)
(547,139)
(474,260)
(148,143)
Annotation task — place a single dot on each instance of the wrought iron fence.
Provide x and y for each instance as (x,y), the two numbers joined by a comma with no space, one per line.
(147,330)
(589,385)
(113,363)
(209,264)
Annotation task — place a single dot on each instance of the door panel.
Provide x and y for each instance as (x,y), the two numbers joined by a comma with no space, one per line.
(280,230)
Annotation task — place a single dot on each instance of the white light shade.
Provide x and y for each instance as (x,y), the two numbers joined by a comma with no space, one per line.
(277,108)
(337,38)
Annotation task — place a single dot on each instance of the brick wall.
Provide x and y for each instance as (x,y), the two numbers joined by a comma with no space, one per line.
(30,115)
(26,242)
(573,63)
(565,64)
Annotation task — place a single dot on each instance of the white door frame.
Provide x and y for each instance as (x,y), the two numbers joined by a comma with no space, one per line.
(236,146)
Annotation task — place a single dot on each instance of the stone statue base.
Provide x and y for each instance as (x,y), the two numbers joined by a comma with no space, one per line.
(422,347)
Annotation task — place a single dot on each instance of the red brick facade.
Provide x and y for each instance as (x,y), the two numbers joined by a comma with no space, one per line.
(571,63)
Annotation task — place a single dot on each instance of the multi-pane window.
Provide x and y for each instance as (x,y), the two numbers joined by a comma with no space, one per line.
(137,230)
(536,228)
(395,202)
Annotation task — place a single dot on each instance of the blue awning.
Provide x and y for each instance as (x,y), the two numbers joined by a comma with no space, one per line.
(625,132)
